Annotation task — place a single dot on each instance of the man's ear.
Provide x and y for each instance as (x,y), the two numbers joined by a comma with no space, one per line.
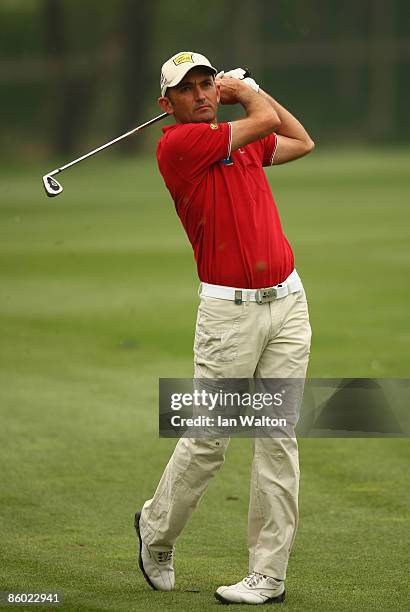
(218,92)
(166,105)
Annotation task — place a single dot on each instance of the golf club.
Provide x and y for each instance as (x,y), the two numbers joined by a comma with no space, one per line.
(54,188)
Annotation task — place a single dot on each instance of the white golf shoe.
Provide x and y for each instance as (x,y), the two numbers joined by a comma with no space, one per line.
(157,567)
(254,589)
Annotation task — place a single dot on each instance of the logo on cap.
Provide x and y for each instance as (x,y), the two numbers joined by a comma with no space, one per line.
(182,58)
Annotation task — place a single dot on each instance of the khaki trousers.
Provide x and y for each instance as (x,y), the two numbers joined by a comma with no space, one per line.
(240,341)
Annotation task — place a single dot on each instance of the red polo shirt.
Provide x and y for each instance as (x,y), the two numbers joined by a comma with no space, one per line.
(225,204)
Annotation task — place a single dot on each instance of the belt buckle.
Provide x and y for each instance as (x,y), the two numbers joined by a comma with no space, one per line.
(262,296)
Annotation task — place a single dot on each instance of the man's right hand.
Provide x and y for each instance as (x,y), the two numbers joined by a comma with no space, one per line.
(233,91)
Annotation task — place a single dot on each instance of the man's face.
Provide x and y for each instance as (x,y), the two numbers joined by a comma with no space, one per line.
(195,99)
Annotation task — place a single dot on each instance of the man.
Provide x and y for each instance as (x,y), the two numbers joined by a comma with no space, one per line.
(214,172)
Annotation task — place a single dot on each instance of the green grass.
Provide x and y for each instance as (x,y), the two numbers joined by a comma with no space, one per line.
(97,301)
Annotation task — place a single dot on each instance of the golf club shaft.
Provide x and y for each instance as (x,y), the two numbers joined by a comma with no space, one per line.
(107,144)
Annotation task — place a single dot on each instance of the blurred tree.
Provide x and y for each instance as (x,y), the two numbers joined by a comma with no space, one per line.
(246,38)
(350,74)
(383,71)
(74,91)
(136,40)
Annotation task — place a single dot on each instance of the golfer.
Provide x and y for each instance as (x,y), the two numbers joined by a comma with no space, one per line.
(214,173)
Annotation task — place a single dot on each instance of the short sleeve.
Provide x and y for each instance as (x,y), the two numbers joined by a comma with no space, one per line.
(191,148)
(270,145)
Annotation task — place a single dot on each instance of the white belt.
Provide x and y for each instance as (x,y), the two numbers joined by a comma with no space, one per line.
(261,296)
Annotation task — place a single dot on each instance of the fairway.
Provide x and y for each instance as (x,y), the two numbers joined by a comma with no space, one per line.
(98,300)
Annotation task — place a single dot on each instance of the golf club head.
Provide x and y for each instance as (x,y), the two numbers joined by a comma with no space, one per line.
(52,187)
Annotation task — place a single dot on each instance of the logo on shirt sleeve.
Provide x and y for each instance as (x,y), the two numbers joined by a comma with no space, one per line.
(213,126)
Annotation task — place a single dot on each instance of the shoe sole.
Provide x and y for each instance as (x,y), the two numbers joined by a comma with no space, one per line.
(140,563)
(273,600)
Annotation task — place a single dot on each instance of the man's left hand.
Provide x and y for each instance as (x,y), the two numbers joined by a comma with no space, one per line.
(239,73)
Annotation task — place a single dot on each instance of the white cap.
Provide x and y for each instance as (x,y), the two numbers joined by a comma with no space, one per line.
(174,69)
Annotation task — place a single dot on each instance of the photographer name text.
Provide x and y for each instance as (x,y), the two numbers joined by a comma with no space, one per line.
(221,421)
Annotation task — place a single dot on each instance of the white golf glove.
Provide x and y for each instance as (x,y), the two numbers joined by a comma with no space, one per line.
(238,73)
